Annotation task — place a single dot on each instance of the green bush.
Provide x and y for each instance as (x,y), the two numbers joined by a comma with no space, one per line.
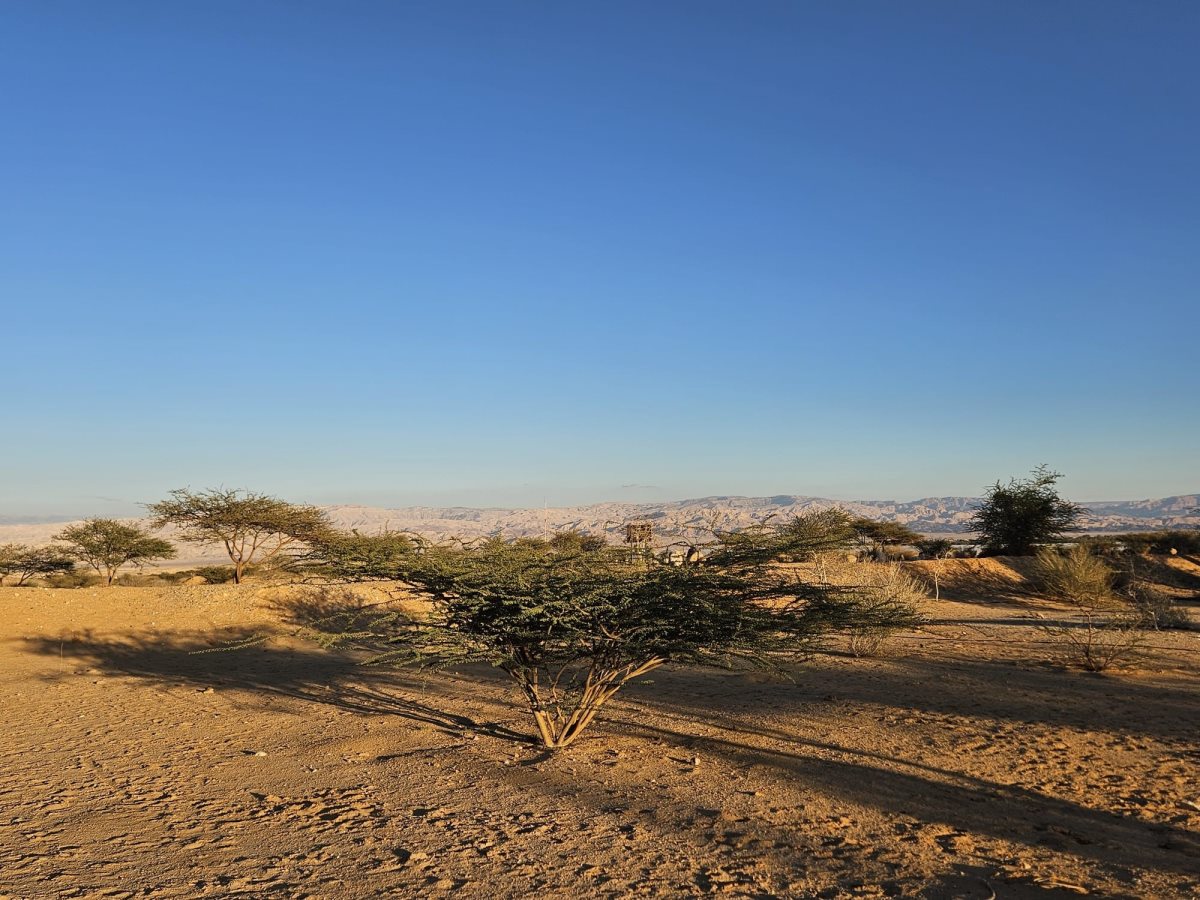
(1015,519)
(572,627)
(574,541)
(935,548)
(213,574)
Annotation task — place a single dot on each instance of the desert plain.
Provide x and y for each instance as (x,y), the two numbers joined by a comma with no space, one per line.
(962,760)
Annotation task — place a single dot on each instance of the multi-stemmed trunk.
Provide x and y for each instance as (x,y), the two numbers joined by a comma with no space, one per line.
(558,722)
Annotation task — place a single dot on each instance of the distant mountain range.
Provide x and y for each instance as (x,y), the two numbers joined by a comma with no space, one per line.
(682,519)
(691,519)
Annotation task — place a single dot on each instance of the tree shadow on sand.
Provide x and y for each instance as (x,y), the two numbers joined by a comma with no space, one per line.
(988,581)
(964,802)
(987,690)
(247,660)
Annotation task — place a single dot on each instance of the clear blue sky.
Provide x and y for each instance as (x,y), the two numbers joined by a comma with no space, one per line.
(522,252)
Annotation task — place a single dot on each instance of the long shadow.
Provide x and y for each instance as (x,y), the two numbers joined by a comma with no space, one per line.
(980,689)
(962,801)
(1157,570)
(1014,621)
(246,660)
(996,582)
(873,780)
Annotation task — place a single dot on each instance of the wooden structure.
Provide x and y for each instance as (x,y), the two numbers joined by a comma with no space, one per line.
(638,535)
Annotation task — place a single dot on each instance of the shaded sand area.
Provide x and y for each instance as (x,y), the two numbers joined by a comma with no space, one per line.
(962,764)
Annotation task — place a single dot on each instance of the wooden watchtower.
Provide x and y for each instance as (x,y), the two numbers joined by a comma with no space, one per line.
(639,535)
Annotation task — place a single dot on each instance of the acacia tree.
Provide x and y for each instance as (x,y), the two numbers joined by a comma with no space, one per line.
(572,626)
(935,548)
(25,561)
(879,535)
(251,527)
(1015,518)
(107,545)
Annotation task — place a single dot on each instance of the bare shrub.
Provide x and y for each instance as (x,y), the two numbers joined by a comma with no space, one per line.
(867,642)
(1152,609)
(1075,576)
(1098,644)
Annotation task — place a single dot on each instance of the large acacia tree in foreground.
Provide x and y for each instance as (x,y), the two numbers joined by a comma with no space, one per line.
(252,527)
(571,626)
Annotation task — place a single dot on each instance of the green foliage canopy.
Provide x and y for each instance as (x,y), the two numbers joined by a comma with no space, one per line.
(1015,518)
(107,545)
(571,626)
(27,562)
(252,527)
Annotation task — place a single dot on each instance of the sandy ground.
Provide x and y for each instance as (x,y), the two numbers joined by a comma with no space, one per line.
(956,766)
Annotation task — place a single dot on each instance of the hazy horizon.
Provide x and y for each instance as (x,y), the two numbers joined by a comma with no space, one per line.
(114,507)
(527,254)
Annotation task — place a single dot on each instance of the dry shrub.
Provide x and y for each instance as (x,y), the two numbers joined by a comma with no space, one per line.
(136,579)
(77,578)
(1152,609)
(834,567)
(1098,644)
(867,642)
(1075,576)
(883,585)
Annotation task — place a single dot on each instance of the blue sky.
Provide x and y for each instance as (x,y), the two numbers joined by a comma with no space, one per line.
(535,252)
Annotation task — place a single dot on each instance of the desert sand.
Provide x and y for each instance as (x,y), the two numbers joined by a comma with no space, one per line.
(962,763)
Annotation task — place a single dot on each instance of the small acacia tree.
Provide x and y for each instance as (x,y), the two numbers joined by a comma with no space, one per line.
(27,562)
(1015,518)
(935,548)
(251,527)
(572,626)
(879,535)
(107,545)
